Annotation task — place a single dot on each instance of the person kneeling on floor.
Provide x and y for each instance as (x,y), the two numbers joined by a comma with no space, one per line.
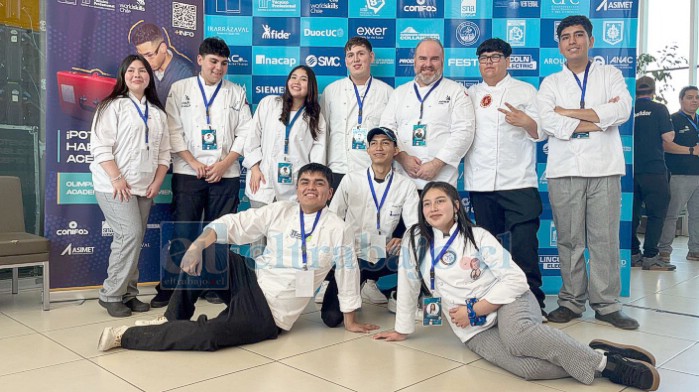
(304,240)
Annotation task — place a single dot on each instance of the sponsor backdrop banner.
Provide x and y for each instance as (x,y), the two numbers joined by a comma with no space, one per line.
(269,37)
(87,39)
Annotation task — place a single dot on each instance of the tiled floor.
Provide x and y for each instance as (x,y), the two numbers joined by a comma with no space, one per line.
(56,350)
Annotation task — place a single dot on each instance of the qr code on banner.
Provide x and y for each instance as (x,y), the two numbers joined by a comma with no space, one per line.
(184,16)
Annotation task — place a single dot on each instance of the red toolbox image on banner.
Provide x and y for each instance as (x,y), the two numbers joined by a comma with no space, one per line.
(81,92)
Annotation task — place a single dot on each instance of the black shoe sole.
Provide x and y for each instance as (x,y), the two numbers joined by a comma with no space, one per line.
(626,328)
(158,304)
(626,351)
(112,313)
(562,321)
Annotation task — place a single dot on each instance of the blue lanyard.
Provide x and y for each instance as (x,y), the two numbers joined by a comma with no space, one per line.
(435,260)
(376,201)
(360,101)
(144,117)
(583,85)
(288,131)
(695,125)
(422,100)
(208,103)
(304,254)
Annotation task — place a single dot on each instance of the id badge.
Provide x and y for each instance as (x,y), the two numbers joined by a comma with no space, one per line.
(359,138)
(377,248)
(284,173)
(304,283)
(432,312)
(208,139)
(581,135)
(419,135)
(145,165)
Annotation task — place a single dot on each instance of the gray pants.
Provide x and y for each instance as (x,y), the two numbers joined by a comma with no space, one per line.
(586,211)
(128,221)
(684,190)
(522,345)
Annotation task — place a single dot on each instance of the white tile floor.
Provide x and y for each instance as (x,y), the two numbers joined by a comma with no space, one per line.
(56,350)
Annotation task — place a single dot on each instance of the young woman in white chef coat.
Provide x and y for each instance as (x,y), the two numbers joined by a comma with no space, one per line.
(130,146)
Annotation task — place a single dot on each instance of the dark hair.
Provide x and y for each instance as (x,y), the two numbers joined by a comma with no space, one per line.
(424,230)
(358,41)
(685,89)
(311,112)
(120,90)
(146,32)
(575,20)
(494,45)
(214,45)
(316,168)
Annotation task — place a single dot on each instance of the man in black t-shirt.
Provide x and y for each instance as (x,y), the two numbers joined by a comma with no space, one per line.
(682,158)
(652,126)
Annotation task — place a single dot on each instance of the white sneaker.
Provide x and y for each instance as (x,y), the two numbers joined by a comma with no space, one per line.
(156,321)
(392,302)
(111,338)
(371,293)
(321,292)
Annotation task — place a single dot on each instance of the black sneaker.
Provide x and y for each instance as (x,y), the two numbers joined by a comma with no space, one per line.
(137,306)
(626,351)
(562,315)
(161,299)
(618,319)
(632,373)
(116,309)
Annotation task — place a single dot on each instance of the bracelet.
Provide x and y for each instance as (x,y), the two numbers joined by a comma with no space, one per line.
(117,178)
(473,319)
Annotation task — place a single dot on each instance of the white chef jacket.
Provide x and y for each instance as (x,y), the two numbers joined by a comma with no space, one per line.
(265,144)
(501,281)
(503,156)
(353,202)
(340,108)
(120,135)
(601,154)
(230,115)
(448,114)
(331,244)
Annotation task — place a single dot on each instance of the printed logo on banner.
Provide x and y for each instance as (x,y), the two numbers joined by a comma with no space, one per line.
(134,5)
(551,61)
(184,16)
(524,62)
(420,9)
(240,61)
(274,60)
(235,30)
(613,31)
(276,8)
(553,235)
(516,8)
(107,231)
(372,8)
(323,31)
(467,82)
(516,32)
(461,63)
(324,61)
(381,32)
(613,8)
(550,265)
(543,182)
(267,85)
(71,250)
(330,8)
(412,31)
(384,62)
(468,33)
(405,62)
(563,8)
(617,58)
(228,7)
(548,36)
(468,8)
(72,229)
(275,31)
(75,188)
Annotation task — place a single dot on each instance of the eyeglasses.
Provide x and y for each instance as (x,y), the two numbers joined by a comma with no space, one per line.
(153,54)
(494,58)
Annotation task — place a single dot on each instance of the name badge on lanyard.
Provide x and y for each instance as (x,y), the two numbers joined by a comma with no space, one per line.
(208,135)
(432,312)
(583,89)
(145,162)
(284,168)
(420,129)
(359,132)
(304,277)
(378,241)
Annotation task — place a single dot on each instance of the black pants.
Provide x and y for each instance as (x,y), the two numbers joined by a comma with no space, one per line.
(247,319)
(513,217)
(652,190)
(330,311)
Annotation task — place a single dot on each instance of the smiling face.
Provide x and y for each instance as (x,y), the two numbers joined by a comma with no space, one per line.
(298,84)
(438,209)
(213,68)
(690,101)
(137,78)
(381,150)
(429,62)
(574,44)
(358,60)
(313,191)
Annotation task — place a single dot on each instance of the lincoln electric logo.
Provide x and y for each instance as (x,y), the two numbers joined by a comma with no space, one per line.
(269,33)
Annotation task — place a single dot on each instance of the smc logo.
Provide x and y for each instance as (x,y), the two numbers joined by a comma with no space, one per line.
(323,61)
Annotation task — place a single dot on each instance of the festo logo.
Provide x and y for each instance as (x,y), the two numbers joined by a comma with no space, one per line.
(261,59)
(339,33)
(420,7)
(72,230)
(322,61)
(462,62)
(607,5)
(77,250)
(274,34)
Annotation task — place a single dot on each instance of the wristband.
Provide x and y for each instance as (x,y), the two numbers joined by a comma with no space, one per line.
(691,150)
(117,178)
(473,319)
